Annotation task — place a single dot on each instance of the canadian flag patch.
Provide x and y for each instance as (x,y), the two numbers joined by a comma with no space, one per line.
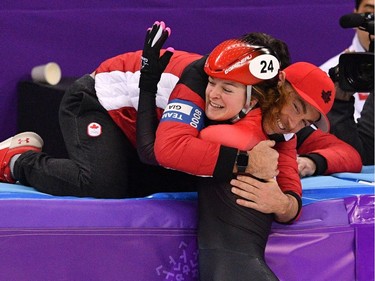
(363,96)
(94,129)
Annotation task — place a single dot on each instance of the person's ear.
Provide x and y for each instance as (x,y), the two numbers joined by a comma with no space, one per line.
(253,102)
(282,76)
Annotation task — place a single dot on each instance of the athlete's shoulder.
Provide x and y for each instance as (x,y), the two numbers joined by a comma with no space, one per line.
(180,61)
(130,61)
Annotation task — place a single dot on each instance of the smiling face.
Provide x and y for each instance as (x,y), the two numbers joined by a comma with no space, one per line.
(224,99)
(293,115)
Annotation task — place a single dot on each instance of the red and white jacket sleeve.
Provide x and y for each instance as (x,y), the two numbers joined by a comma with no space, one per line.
(177,144)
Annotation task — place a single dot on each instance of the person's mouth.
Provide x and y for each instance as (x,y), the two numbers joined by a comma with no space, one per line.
(280,125)
(215,105)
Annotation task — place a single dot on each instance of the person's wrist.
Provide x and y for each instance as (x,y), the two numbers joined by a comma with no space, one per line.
(285,209)
(249,168)
(320,163)
(242,160)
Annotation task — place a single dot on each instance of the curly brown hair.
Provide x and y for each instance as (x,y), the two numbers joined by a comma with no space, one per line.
(273,100)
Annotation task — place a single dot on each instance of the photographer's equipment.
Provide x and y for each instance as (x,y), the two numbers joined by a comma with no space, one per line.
(364,21)
(355,71)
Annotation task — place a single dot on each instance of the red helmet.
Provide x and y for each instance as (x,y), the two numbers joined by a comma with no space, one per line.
(239,61)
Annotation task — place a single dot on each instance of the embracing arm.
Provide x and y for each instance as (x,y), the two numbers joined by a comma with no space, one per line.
(247,135)
(323,153)
(282,197)
(182,144)
(152,67)
(266,197)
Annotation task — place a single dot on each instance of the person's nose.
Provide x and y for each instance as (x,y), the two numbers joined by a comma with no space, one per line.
(215,93)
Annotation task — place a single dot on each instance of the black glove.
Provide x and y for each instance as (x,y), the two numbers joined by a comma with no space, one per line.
(152,67)
(153,64)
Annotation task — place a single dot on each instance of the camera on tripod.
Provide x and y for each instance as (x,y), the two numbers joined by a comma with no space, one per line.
(355,71)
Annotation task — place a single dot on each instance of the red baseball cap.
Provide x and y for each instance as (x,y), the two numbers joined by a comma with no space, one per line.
(315,87)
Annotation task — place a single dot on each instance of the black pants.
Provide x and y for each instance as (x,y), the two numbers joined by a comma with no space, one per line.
(103,167)
(231,238)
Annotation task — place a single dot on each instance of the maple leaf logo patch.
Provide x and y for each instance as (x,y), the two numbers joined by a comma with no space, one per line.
(326,96)
(94,129)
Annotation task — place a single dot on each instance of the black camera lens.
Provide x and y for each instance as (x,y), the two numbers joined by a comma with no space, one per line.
(356,72)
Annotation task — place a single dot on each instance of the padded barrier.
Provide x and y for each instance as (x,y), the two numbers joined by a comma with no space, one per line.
(44,237)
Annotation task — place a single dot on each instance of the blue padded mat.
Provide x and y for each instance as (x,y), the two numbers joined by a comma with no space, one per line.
(365,176)
(339,185)
(19,191)
(317,188)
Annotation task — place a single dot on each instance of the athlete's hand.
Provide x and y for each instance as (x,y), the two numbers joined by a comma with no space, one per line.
(265,197)
(263,160)
(152,64)
(306,167)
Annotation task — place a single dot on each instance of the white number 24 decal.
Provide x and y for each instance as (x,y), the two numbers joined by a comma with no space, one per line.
(264,66)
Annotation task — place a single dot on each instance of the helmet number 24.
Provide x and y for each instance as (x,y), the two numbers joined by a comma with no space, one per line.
(264,66)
